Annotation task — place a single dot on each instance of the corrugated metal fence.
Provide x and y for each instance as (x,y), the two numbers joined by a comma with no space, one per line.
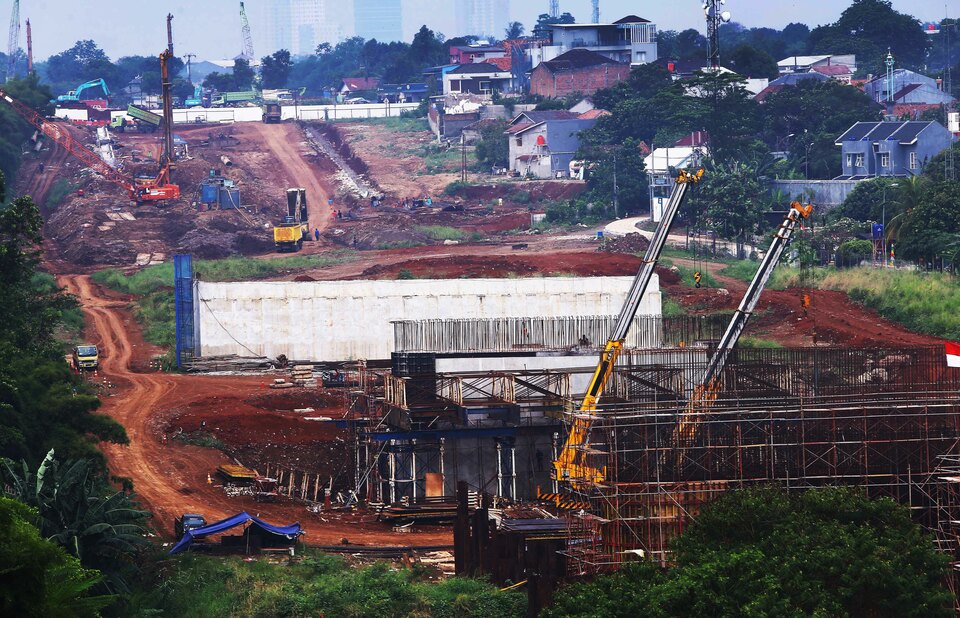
(539,333)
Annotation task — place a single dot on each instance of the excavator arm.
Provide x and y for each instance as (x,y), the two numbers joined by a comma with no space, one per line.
(709,385)
(571,465)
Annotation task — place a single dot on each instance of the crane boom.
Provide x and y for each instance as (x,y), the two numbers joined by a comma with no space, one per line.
(245,34)
(13,40)
(709,384)
(29,50)
(570,465)
(149,190)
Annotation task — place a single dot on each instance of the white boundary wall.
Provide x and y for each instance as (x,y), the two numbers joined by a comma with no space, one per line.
(255,114)
(348,320)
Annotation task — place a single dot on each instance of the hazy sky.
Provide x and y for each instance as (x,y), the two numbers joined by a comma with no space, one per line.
(211,28)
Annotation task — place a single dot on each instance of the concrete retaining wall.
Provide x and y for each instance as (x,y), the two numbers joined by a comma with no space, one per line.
(826,194)
(347,320)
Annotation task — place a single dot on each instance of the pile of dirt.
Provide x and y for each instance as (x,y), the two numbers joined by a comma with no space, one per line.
(631,243)
(584,264)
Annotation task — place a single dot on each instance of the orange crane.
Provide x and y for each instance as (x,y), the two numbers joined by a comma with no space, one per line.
(148,190)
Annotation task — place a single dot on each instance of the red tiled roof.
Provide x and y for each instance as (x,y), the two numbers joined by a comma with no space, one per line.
(521,126)
(504,64)
(361,83)
(763,94)
(833,69)
(696,138)
(593,113)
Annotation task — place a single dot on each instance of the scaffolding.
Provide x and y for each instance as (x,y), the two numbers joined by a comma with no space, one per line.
(877,419)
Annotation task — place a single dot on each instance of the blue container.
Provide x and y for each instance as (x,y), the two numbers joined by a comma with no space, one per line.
(209,193)
(229,198)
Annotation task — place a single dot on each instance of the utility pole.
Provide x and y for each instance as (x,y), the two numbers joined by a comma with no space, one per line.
(595,11)
(463,158)
(189,57)
(170,34)
(29,50)
(554,8)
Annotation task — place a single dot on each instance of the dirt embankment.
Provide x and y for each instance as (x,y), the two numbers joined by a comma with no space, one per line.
(172,478)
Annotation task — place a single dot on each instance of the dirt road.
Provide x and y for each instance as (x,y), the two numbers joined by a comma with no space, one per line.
(171,478)
(287,144)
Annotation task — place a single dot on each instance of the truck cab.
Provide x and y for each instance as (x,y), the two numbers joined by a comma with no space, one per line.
(86,357)
(187,522)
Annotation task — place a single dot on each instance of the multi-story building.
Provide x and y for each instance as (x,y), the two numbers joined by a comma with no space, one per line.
(542,144)
(300,25)
(631,40)
(482,17)
(378,19)
(576,72)
(872,149)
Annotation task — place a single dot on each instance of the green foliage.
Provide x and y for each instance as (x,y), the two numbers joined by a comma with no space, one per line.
(871,199)
(317,585)
(852,252)
(58,192)
(752,62)
(78,510)
(39,578)
(454,187)
(13,129)
(686,45)
(757,343)
(764,552)
(493,148)
(728,200)
(923,302)
(868,28)
(240,79)
(744,270)
(405,274)
(275,69)
(442,232)
(201,438)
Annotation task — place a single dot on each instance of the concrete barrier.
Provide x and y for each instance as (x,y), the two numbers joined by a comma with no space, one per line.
(348,320)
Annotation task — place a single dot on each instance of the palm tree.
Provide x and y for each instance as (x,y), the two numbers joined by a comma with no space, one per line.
(909,195)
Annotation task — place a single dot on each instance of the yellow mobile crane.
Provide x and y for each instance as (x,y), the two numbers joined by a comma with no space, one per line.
(571,464)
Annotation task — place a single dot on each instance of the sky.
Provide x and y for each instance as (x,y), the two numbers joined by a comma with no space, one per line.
(211,28)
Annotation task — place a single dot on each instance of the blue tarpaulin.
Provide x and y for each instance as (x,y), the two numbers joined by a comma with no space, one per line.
(291,532)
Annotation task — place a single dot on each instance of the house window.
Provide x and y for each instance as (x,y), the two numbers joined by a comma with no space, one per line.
(859,160)
(642,56)
(913,161)
(849,160)
(485,87)
(519,141)
(884,159)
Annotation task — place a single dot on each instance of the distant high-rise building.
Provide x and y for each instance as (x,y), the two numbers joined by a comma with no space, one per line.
(482,17)
(300,25)
(378,19)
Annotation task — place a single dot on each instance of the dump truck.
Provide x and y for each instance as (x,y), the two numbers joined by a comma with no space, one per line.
(295,227)
(227,99)
(271,112)
(86,357)
(145,121)
(187,522)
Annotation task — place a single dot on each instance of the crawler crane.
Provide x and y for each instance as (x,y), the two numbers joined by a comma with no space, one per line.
(571,464)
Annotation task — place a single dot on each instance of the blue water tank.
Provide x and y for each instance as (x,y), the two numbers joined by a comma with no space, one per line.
(209,193)
(229,198)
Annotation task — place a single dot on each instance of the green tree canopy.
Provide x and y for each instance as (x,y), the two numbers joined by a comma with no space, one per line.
(762,552)
(752,62)
(275,69)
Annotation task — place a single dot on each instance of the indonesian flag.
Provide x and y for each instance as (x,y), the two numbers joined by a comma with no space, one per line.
(953,353)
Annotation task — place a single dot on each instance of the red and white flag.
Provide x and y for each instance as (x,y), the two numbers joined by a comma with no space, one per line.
(953,353)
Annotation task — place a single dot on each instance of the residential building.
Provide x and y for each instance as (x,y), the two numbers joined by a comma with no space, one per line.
(542,144)
(482,17)
(871,149)
(661,165)
(836,72)
(805,64)
(378,19)
(477,78)
(402,93)
(908,88)
(788,80)
(433,76)
(478,52)
(631,40)
(353,86)
(576,71)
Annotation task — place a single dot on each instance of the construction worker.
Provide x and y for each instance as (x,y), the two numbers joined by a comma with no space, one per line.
(316,233)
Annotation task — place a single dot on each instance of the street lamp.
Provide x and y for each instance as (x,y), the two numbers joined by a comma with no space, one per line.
(883,220)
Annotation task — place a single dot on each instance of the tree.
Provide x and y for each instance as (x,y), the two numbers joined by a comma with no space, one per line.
(427,49)
(730,199)
(751,62)
(764,552)
(514,30)
(82,62)
(867,200)
(275,69)
(13,129)
(691,45)
(727,112)
(102,528)
(242,74)
(39,578)
(867,28)
(616,182)
(493,149)
(544,20)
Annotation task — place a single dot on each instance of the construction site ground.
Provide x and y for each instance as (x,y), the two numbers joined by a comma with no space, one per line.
(260,426)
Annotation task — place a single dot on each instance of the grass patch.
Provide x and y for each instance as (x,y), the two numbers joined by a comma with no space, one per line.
(744,270)
(58,192)
(442,232)
(201,438)
(317,585)
(926,303)
(686,274)
(757,343)
(400,125)
(154,284)
(671,308)
(400,244)
(438,160)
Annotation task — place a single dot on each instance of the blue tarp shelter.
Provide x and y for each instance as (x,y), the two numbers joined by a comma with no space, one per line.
(290,532)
